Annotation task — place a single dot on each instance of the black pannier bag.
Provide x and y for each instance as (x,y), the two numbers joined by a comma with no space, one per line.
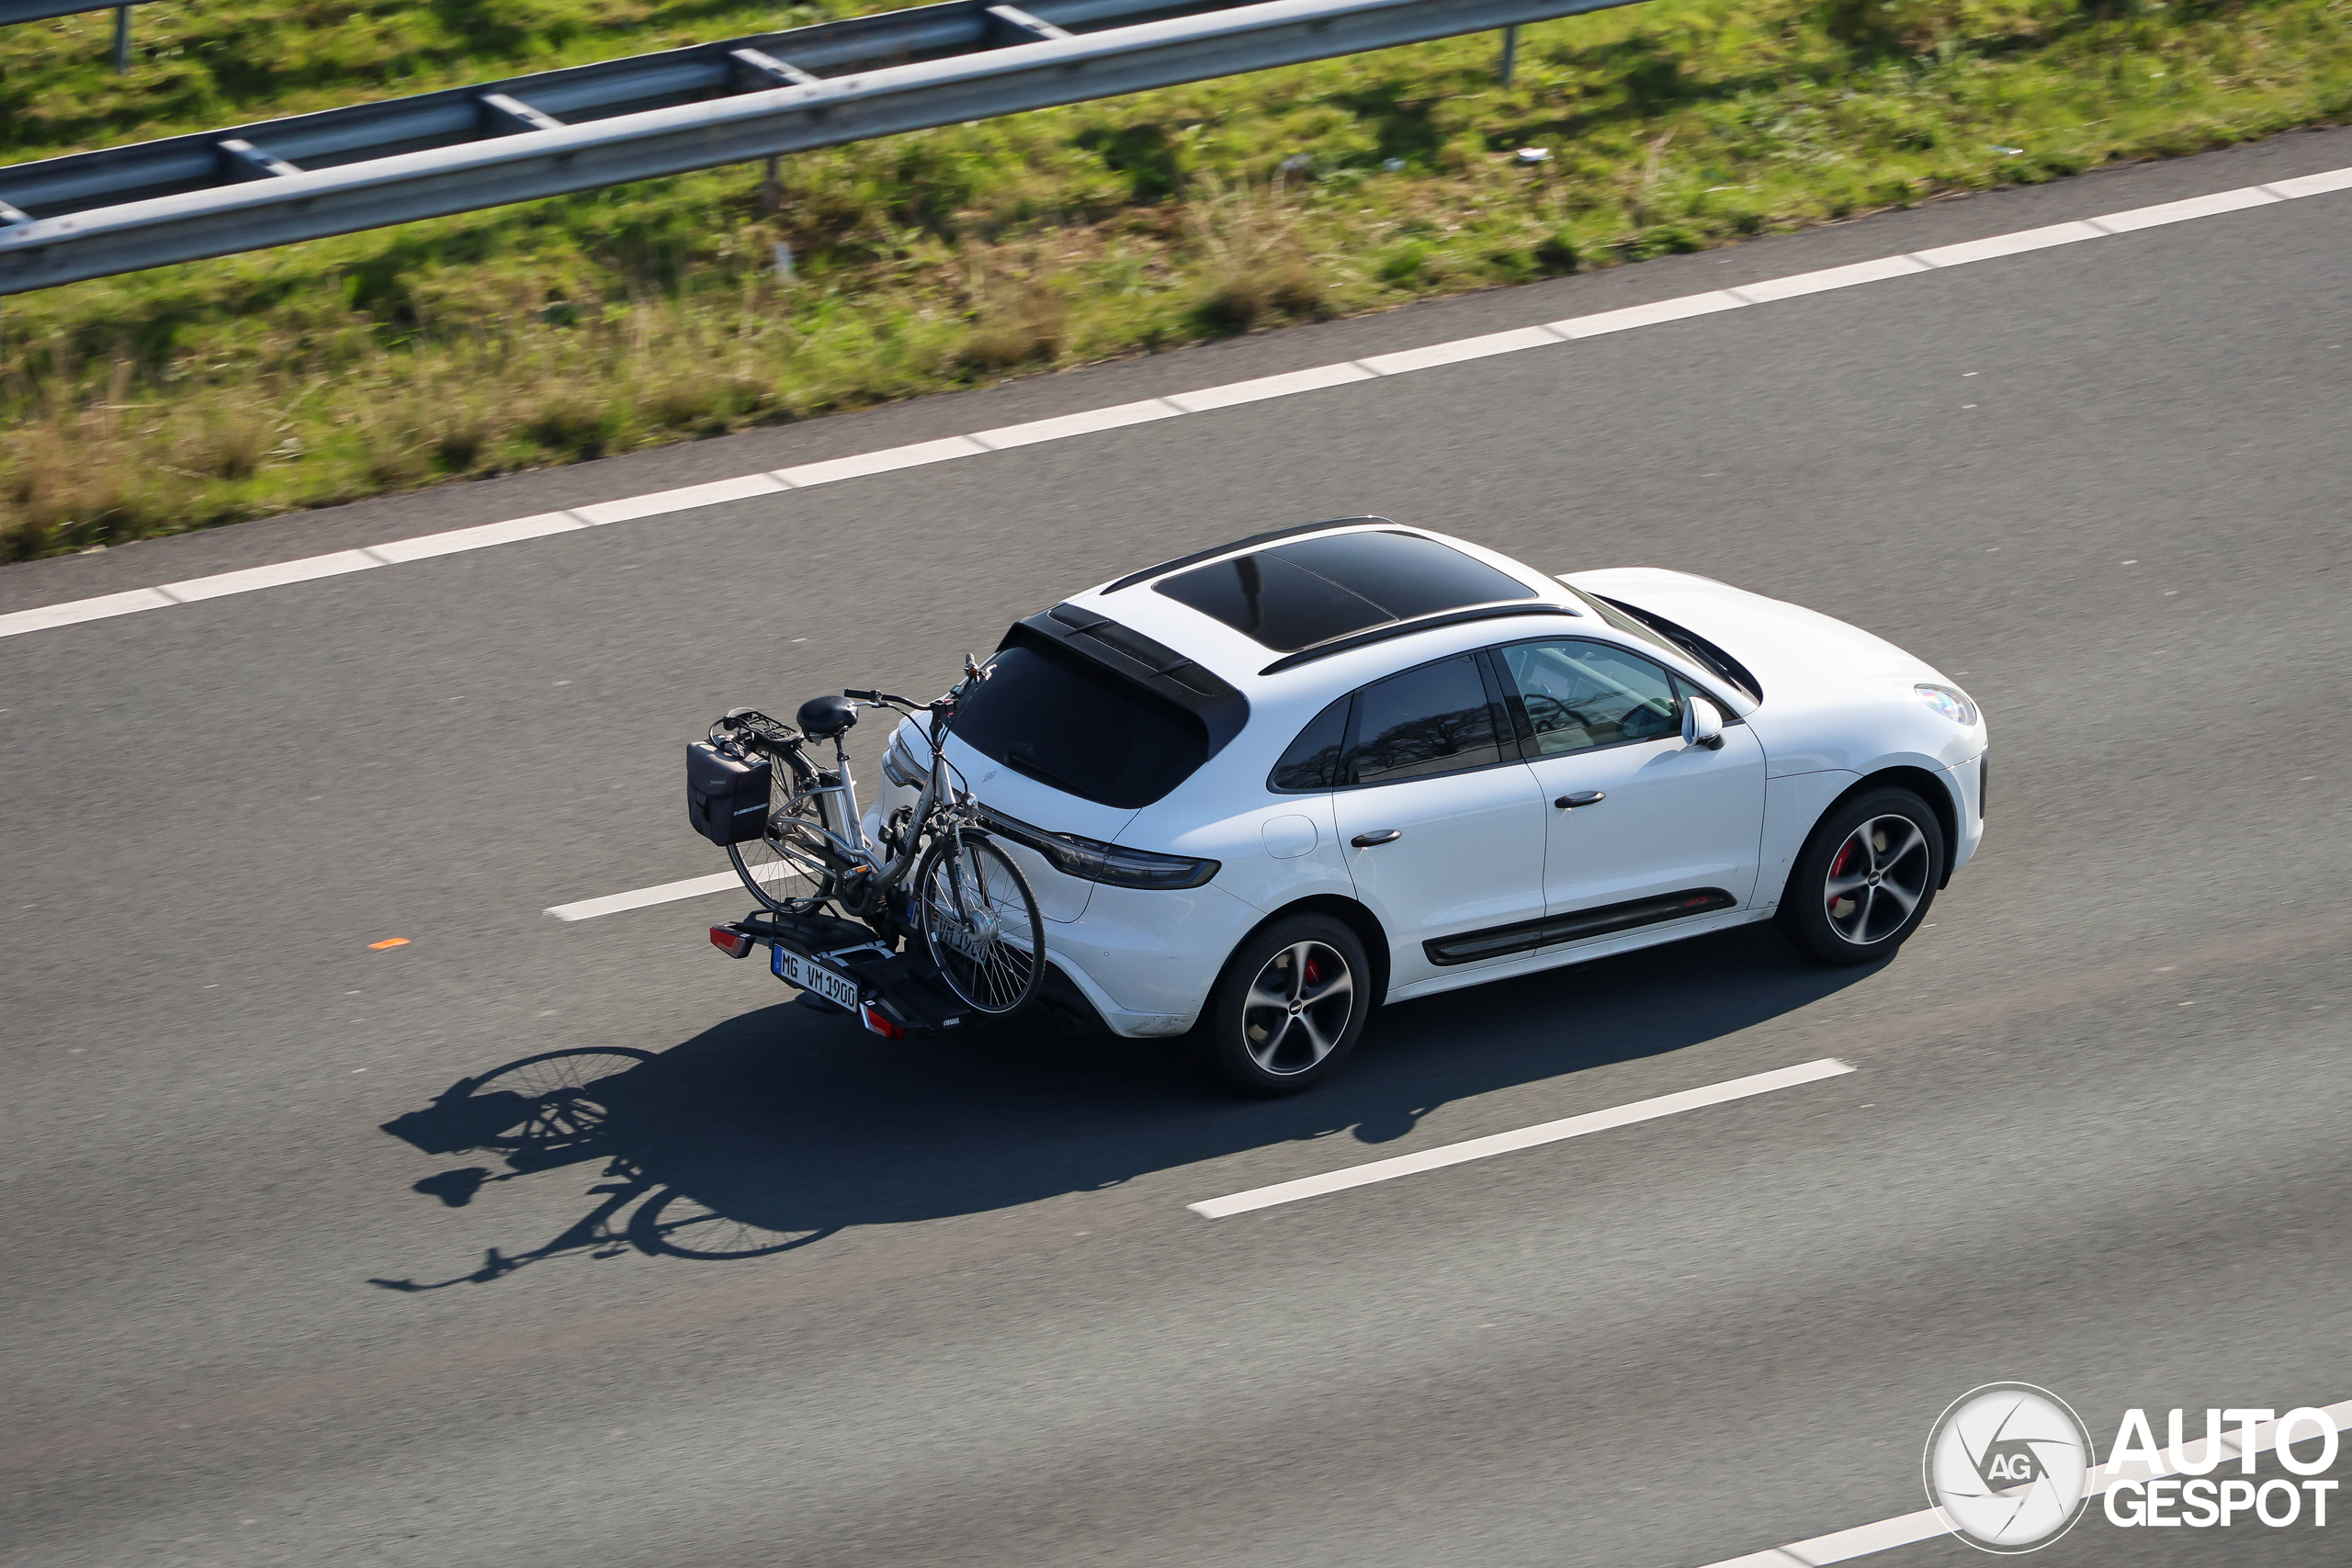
(727,797)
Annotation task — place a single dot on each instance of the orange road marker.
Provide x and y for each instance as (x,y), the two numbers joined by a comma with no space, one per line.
(388,942)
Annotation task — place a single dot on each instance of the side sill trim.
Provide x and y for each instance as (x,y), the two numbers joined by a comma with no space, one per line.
(1497,942)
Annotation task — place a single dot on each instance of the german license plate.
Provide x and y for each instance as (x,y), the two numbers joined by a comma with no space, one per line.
(800,969)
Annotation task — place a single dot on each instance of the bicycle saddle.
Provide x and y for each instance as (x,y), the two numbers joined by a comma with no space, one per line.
(823,717)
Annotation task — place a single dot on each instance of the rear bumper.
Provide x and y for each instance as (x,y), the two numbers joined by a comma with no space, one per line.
(1141,961)
(1145,960)
(1073,990)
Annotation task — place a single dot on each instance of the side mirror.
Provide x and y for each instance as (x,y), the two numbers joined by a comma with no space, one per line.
(1702,724)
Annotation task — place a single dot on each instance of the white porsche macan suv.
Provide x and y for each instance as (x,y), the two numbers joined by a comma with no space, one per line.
(1260,789)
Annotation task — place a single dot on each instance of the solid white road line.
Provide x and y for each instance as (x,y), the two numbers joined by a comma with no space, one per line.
(426,546)
(1069,424)
(2310,185)
(1199,400)
(1524,1138)
(78,610)
(717,493)
(1632,316)
(1460,349)
(275,575)
(2181,211)
(2015,245)
(1288,384)
(1904,1529)
(1828,278)
(888,460)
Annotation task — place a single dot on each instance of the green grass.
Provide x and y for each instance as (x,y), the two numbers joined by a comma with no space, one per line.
(561,330)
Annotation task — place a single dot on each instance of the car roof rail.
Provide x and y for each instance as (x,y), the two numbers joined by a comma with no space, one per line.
(1325,649)
(1199,555)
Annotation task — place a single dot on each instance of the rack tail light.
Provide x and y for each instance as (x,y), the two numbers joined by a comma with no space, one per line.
(730,942)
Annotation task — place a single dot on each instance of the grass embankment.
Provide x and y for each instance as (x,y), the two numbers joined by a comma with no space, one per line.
(566,329)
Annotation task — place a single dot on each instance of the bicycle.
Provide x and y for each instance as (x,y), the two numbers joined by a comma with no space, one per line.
(934,873)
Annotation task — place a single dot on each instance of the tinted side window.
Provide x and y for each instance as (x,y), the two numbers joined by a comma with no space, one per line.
(1577,696)
(1313,760)
(1430,720)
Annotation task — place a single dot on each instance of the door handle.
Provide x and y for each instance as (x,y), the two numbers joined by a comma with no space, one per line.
(1386,836)
(1581,797)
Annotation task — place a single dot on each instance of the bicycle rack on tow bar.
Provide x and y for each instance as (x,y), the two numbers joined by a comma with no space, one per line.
(898,994)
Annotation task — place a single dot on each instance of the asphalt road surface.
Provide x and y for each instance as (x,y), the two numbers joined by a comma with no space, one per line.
(2096,1138)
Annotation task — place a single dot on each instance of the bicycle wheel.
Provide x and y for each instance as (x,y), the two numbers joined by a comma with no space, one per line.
(979,921)
(789,867)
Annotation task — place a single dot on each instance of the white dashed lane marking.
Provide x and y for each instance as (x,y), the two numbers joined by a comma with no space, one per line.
(664,893)
(1523,1138)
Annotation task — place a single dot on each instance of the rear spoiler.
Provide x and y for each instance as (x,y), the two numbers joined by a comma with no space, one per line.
(1154,666)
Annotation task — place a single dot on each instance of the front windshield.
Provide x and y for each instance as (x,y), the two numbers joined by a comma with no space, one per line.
(1698,650)
(1625,623)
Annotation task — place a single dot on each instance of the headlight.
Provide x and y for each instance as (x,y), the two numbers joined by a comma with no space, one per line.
(1098,861)
(899,763)
(1948,700)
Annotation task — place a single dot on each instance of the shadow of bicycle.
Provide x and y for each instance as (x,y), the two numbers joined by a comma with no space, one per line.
(781,1127)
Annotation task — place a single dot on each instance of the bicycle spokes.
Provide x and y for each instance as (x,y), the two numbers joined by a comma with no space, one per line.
(980,921)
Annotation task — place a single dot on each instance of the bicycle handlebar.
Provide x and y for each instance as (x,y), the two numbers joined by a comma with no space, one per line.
(887,699)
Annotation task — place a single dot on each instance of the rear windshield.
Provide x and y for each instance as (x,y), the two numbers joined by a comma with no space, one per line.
(1066,721)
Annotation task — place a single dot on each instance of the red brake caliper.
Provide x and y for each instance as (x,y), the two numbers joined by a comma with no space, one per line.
(1837,869)
(1314,973)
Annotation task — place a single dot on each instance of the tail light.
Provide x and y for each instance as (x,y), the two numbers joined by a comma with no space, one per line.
(730,941)
(889,1029)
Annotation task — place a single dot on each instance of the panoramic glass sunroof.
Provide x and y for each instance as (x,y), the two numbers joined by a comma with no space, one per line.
(1292,596)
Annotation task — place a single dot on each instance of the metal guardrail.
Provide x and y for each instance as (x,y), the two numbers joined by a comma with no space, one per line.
(42,10)
(122,209)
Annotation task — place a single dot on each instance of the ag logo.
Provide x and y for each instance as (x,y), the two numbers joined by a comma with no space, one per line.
(2007,1462)
(2005,1465)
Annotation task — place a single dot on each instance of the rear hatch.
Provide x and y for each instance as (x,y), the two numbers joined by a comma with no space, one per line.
(1055,742)
(1024,806)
